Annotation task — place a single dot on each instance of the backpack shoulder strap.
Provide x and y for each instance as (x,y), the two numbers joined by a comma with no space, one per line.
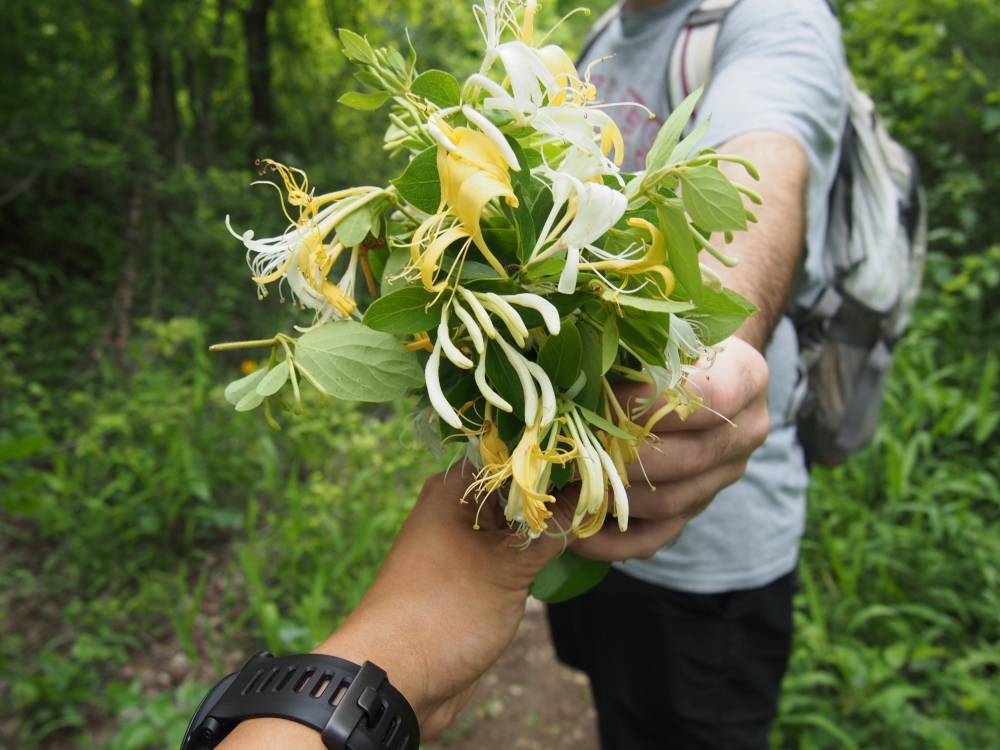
(694,49)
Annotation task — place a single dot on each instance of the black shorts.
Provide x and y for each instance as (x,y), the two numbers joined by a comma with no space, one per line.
(677,671)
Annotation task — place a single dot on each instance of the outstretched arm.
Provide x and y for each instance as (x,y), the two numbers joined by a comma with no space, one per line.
(442,609)
(697,458)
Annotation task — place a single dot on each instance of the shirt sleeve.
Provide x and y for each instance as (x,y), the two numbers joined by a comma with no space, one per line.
(779,65)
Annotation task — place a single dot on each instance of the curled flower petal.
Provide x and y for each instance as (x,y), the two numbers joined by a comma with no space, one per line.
(451,351)
(475,332)
(479,311)
(493,133)
(510,316)
(519,363)
(444,409)
(548,405)
(548,311)
(488,393)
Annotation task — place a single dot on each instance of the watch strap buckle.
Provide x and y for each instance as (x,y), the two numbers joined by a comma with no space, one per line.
(360,703)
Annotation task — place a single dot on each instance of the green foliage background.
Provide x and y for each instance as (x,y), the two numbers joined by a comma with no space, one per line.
(136,508)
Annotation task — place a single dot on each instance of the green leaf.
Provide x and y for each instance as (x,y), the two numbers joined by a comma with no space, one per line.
(275,378)
(501,241)
(503,377)
(647,342)
(669,135)
(393,265)
(561,474)
(419,184)
(714,328)
(602,424)
(568,303)
(711,200)
(683,253)
(364,102)
(684,148)
(473,270)
(647,303)
(411,309)
(236,390)
(742,301)
(438,87)
(562,355)
(356,47)
(609,344)
(354,227)
(369,79)
(523,176)
(541,206)
(567,576)
(590,395)
(356,363)
(459,395)
(524,225)
(547,267)
(249,401)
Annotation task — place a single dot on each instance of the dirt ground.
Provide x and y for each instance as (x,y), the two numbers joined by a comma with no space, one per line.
(528,701)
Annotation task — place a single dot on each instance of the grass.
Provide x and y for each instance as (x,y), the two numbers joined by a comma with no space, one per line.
(138,513)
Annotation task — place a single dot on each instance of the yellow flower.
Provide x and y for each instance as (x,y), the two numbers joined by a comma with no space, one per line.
(567,78)
(651,262)
(248,366)
(472,171)
(525,501)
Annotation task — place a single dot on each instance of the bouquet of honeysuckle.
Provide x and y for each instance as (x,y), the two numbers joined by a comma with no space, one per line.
(515,272)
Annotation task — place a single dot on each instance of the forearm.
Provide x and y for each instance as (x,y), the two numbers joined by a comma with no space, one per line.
(771,253)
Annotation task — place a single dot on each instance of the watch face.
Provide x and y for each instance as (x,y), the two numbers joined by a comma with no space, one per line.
(203,710)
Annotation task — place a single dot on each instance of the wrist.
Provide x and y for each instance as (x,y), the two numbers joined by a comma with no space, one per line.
(397,658)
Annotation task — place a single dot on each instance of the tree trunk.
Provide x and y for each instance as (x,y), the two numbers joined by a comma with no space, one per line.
(258,41)
(164,124)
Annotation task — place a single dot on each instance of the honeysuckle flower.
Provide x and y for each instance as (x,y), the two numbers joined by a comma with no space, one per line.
(548,311)
(654,255)
(300,256)
(492,132)
(301,259)
(473,329)
(575,125)
(479,311)
(433,381)
(548,400)
(710,278)
(491,396)
(495,457)
(429,261)
(497,304)
(519,363)
(473,172)
(598,208)
(567,80)
(451,351)
(526,500)
(593,487)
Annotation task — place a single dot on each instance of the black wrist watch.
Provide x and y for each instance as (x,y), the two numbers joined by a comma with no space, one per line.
(352,707)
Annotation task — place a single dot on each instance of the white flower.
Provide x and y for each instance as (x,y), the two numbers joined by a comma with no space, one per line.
(444,409)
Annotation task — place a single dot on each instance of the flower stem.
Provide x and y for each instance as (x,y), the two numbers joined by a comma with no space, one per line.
(241,345)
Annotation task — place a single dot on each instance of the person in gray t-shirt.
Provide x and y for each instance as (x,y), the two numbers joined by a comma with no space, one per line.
(692,642)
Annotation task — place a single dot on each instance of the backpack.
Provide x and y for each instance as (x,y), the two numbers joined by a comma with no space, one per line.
(874,255)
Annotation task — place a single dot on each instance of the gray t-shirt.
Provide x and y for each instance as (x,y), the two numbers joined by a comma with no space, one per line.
(779,65)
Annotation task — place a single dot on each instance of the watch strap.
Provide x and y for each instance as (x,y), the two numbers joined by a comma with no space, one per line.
(352,707)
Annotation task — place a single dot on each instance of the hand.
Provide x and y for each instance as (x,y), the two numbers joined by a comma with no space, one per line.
(442,609)
(693,459)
